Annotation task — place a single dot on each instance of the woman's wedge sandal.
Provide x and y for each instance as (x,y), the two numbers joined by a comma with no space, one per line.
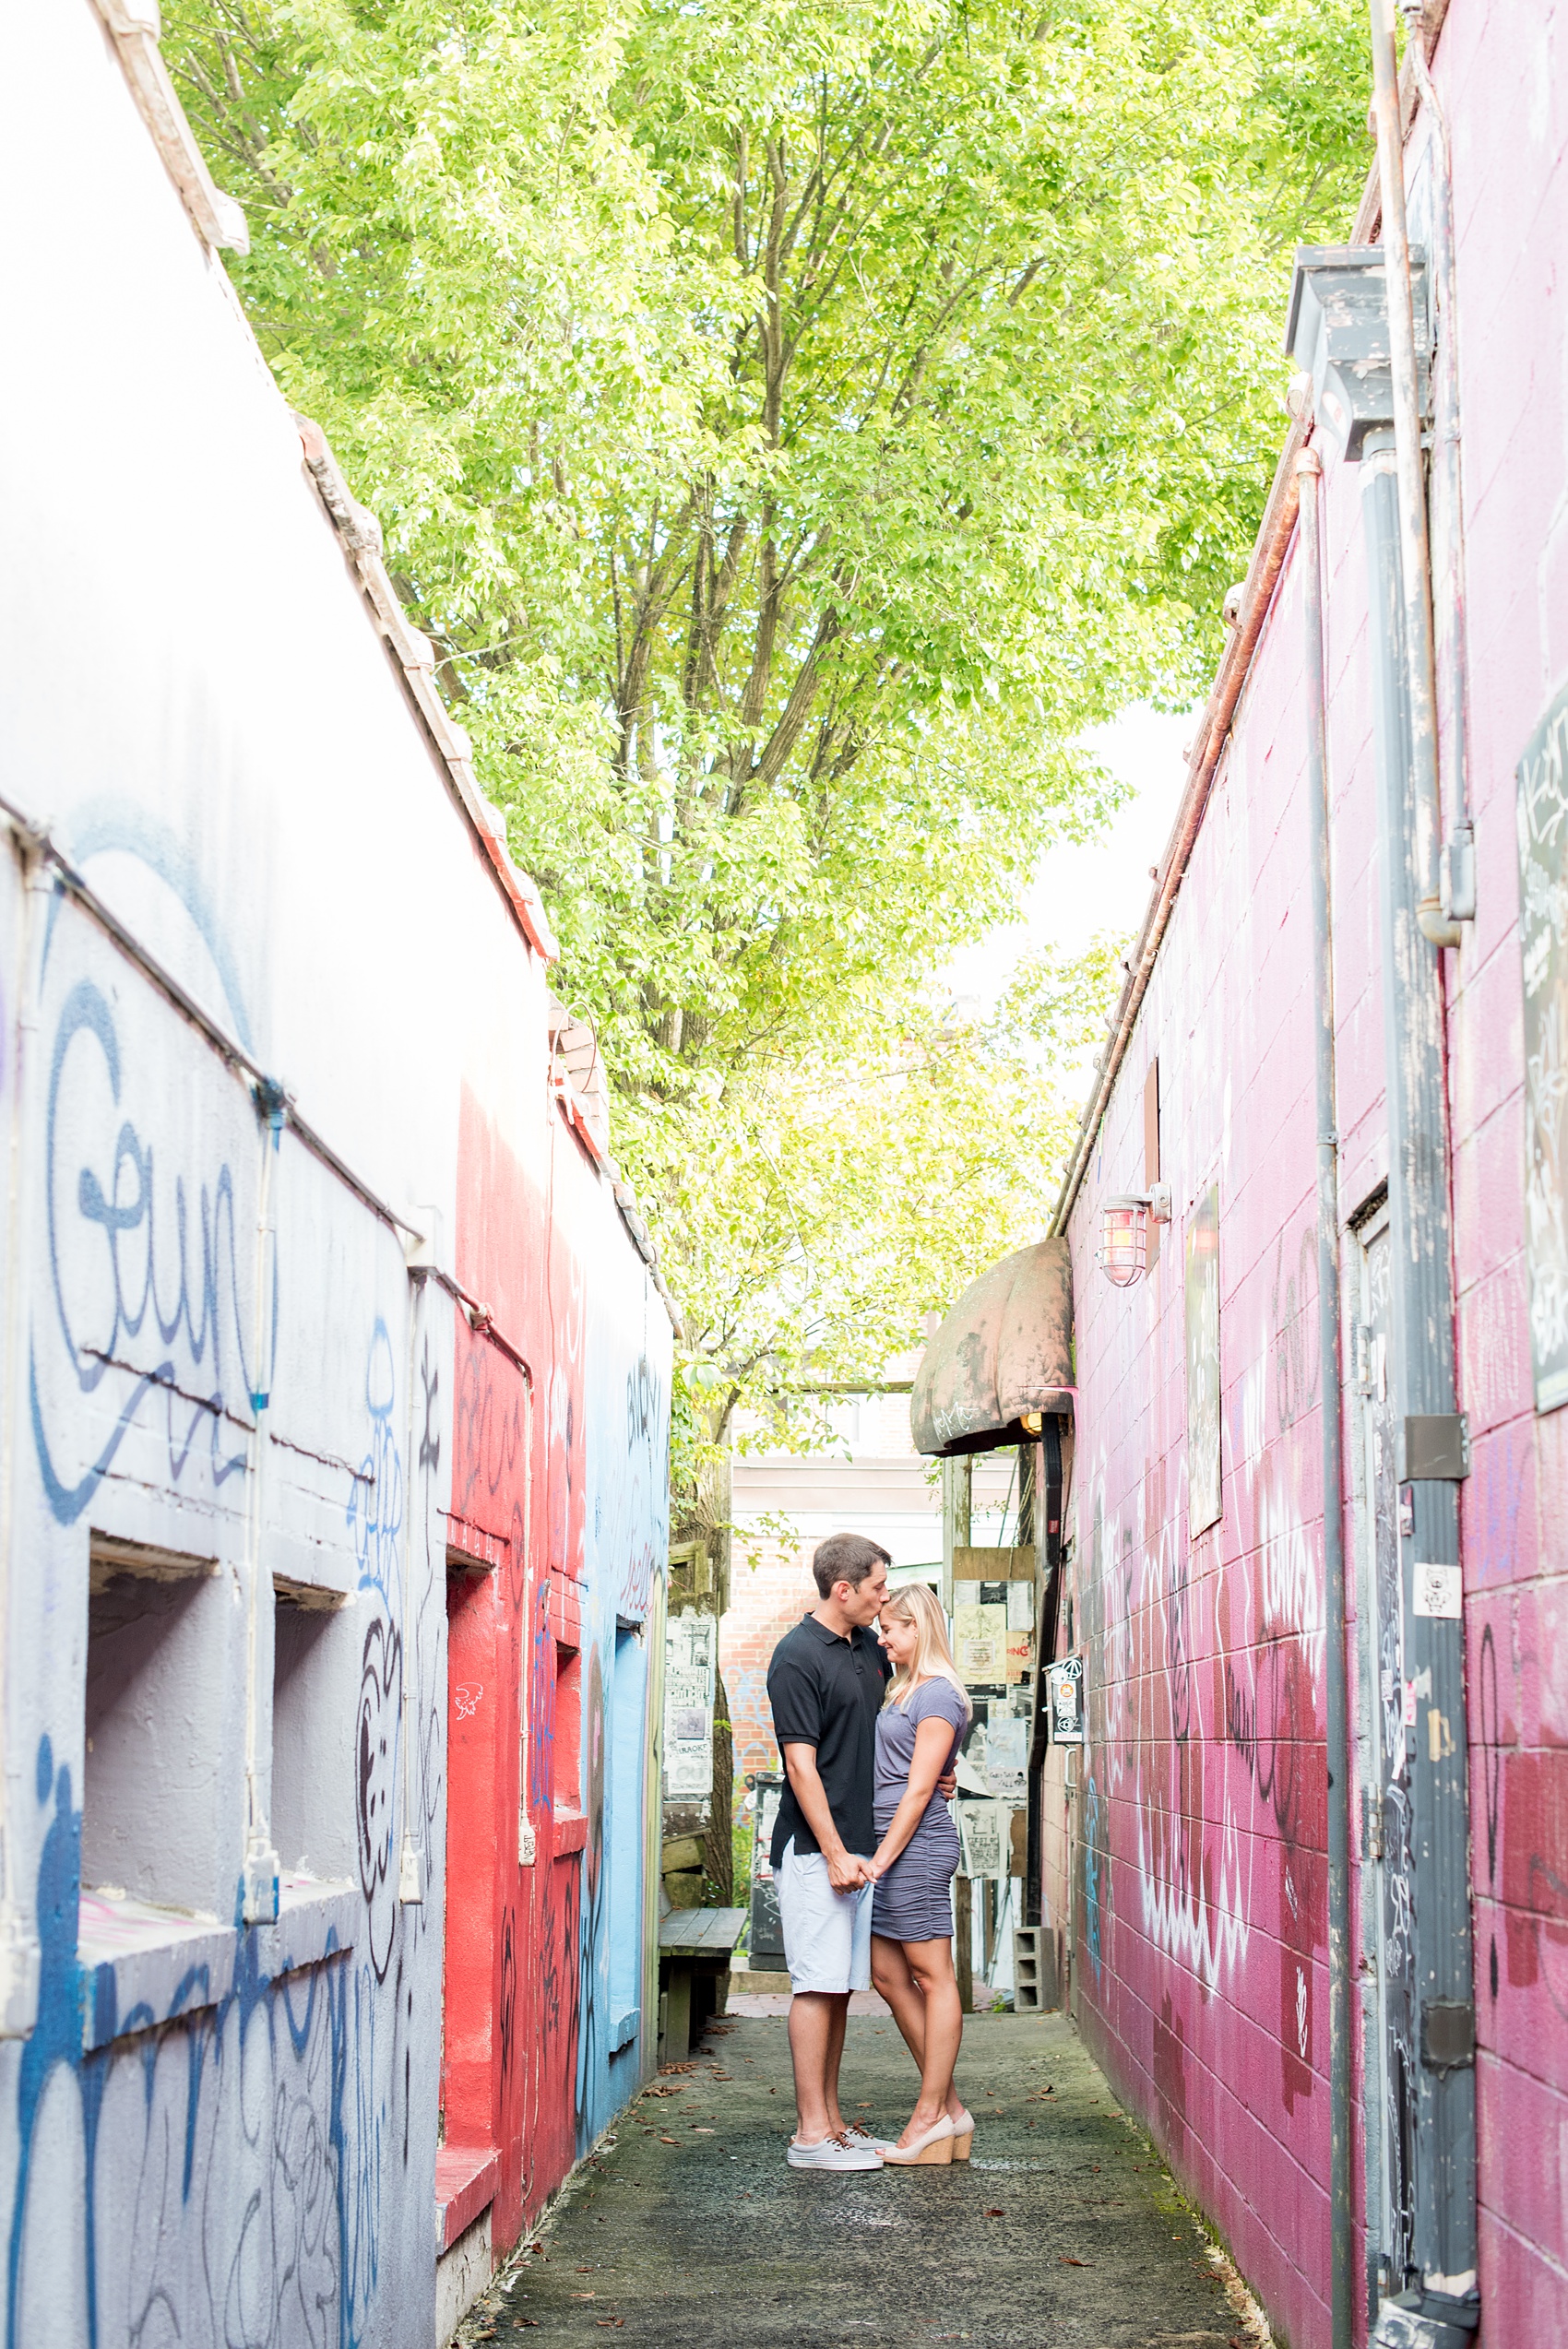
(963,2135)
(935,2145)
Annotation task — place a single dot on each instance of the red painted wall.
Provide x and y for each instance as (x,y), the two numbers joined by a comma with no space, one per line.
(517,1675)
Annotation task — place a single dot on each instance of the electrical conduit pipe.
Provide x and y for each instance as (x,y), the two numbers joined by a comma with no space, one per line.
(1414,547)
(1331,1390)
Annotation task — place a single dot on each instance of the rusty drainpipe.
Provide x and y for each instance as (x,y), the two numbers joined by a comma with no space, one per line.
(1330,1387)
(1414,550)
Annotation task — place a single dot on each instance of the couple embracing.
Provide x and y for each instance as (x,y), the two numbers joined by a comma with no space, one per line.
(864,1849)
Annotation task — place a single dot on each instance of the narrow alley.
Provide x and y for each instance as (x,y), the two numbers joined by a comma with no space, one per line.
(1065,2231)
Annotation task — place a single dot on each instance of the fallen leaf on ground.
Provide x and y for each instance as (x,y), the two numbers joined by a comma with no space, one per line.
(997,2213)
(582,2295)
(669,2140)
(1062,2261)
(698,2130)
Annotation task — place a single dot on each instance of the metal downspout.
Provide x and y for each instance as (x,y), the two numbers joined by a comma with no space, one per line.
(1444,2311)
(1414,551)
(1048,1575)
(1342,2240)
(1456,880)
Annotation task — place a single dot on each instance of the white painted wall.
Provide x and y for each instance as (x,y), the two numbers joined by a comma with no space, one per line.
(213,1346)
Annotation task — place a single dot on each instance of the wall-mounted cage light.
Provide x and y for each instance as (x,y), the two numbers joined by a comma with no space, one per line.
(1124,1232)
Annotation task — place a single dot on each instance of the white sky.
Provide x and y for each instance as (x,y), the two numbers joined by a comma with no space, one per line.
(1078,892)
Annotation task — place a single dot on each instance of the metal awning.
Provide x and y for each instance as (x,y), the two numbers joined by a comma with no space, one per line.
(1005,1349)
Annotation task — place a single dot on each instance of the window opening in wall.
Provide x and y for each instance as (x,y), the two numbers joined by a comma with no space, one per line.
(568,1780)
(162,1691)
(311,1779)
(623,1833)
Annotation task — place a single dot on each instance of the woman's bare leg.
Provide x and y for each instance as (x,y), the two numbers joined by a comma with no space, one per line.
(930,1964)
(892,1981)
(891,1973)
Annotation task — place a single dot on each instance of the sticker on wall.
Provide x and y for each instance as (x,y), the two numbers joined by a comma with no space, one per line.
(1064,1695)
(1543,813)
(1437,1592)
(1203,1362)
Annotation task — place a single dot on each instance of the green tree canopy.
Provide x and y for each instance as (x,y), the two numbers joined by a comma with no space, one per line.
(794,423)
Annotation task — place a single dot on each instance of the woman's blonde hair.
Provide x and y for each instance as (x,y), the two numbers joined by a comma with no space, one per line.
(917,1603)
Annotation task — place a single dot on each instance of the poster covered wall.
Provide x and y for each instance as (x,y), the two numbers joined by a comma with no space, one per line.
(691,1658)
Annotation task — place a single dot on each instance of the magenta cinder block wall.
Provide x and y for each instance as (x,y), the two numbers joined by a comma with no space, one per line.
(1198,1879)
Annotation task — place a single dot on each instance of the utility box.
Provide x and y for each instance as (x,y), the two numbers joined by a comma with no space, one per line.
(1337,334)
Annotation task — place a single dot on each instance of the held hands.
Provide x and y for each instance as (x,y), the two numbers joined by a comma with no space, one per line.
(947,1784)
(846,1872)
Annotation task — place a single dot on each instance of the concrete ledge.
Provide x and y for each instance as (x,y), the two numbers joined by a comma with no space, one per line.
(751,1984)
(465,2184)
(140,1967)
(461,2274)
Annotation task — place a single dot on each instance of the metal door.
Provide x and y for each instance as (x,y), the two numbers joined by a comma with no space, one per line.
(1387,1873)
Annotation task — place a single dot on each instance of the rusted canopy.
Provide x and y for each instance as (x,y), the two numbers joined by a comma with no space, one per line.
(1006,1347)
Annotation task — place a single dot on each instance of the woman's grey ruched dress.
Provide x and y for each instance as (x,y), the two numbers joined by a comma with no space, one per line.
(913,1902)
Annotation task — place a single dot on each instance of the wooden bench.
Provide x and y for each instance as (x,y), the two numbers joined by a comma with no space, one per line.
(694,1949)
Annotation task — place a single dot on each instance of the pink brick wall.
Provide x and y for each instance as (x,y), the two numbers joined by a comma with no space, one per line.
(766,1601)
(1200,1875)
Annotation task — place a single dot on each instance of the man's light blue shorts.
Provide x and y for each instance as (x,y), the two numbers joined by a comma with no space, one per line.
(826,1934)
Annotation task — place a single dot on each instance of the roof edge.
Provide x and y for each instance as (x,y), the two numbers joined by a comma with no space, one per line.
(1224,693)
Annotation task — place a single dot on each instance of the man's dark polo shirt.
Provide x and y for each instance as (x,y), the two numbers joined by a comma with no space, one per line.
(826,1692)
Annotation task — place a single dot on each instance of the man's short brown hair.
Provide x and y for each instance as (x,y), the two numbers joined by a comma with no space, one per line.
(846,1558)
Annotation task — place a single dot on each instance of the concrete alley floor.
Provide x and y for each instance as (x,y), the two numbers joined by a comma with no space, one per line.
(1065,2232)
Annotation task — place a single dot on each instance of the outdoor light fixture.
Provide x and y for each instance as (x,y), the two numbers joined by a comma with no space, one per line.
(1124,1232)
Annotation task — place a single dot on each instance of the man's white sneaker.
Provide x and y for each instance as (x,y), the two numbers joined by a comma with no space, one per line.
(833,2152)
(859,2135)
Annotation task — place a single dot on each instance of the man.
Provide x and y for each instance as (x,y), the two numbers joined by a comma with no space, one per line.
(825,1685)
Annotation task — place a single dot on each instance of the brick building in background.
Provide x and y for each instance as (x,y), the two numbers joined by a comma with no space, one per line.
(871,1481)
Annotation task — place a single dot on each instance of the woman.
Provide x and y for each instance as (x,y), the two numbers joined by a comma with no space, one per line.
(918,1734)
